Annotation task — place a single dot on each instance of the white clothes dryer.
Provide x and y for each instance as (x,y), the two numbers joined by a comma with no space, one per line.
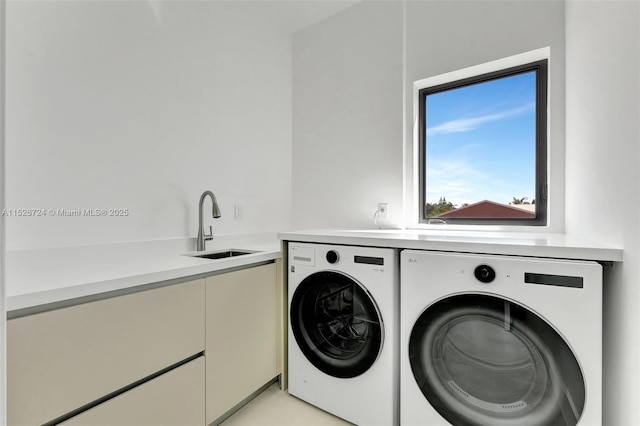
(500,340)
(344,330)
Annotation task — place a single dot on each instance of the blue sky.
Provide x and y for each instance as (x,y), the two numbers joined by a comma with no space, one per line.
(481,141)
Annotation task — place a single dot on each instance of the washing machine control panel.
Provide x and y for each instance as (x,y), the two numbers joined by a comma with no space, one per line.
(485,273)
(302,256)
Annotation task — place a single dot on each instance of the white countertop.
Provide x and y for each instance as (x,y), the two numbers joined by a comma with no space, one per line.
(558,246)
(46,276)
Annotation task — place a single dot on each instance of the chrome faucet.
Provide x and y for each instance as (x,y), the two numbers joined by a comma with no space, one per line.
(215,212)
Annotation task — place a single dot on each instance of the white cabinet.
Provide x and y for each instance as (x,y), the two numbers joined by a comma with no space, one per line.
(173,398)
(61,360)
(242,335)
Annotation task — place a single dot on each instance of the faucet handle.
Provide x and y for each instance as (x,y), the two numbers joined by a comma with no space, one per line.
(210,236)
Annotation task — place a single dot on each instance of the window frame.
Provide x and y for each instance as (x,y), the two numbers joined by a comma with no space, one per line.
(541,67)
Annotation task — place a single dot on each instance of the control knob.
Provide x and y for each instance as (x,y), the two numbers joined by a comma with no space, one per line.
(485,273)
(333,256)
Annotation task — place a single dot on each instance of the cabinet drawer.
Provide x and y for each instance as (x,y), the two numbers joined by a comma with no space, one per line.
(63,359)
(174,398)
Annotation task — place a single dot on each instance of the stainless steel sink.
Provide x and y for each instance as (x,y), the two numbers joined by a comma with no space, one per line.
(224,254)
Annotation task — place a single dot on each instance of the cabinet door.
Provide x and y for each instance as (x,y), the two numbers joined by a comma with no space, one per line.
(174,398)
(241,336)
(61,360)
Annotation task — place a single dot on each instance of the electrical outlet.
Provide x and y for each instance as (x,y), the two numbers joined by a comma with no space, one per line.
(383,210)
(237,212)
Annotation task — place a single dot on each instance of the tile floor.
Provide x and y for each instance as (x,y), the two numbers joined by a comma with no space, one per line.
(274,407)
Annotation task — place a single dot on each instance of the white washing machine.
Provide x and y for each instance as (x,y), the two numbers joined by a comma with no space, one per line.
(500,340)
(343,330)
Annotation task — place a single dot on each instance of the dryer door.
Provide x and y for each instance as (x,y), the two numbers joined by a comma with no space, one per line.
(336,324)
(484,360)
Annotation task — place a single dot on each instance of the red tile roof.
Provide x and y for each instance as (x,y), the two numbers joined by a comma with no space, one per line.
(487,209)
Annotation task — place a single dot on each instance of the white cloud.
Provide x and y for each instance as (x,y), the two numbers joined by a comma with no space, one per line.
(466,124)
(465,181)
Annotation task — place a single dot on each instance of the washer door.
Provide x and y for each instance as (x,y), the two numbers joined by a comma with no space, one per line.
(336,324)
(483,360)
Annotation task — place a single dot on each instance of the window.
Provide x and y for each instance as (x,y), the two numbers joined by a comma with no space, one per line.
(482,144)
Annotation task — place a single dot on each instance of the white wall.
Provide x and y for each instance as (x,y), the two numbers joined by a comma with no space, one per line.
(347,117)
(144,105)
(603,182)
(348,82)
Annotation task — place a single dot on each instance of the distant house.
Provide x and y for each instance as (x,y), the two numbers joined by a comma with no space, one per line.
(491,209)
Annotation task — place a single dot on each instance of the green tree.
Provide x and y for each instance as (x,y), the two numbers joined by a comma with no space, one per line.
(520,200)
(442,206)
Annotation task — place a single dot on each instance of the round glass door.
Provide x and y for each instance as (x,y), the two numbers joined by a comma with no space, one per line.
(336,324)
(483,360)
